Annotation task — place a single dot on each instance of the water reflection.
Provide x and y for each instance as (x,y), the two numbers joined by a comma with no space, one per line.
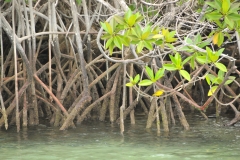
(97,140)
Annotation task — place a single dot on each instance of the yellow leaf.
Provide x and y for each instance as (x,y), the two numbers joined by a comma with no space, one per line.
(212,90)
(129,84)
(158,93)
(157,36)
(165,31)
(215,38)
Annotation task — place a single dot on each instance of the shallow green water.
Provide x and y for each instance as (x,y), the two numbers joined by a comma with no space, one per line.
(206,140)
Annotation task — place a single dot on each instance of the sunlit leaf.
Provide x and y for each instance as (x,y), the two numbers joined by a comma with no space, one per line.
(111,47)
(119,19)
(220,39)
(169,67)
(145,82)
(117,41)
(157,36)
(170,39)
(215,38)
(229,22)
(129,84)
(185,74)
(230,80)
(159,74)
(202,59)
(212,90)
(109,28)
(234,16)
(131,79)
(221,66)
(186,60)
(215,15)
(208,79)
(192,62)
(108,43)
(221,74)
(127,15)
(173,59)
(140,46)
(136,78)
(148,45)
(225,6)
(165,31)
(150,72)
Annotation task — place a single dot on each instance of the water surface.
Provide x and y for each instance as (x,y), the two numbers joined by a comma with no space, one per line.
(98,140)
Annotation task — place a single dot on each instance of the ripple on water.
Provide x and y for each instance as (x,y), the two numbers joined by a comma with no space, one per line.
(206,140)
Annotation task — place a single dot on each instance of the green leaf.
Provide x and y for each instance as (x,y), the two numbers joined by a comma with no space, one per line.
(220,74)
(109,42)
(140,46)
(127,15)
(188,40)
(132,20)
(129,84)
(78,1)
(111,47)
(136,78)
(131,79)
(173,59)
(221,66)
(212,90)
(186,49)
(225,6)
(208,79)
(159,74)
(119,19)
(150,72)
(159,42)
(172,33)
(170,39)
(169,67)
(209,51)
(178,59)
(192,62)
(185,74)
(203,44)
(213,5)
(145,82)
(214,15)
(117,42)
(234,8)
(213,57)
(220,51)
(229,22)
(137,31)
(202,59)
(146,32)
(125,40)
(148,45)
(230,80)
(109,28)
(197,39)
(106,36)
(234,16)
(186,60)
